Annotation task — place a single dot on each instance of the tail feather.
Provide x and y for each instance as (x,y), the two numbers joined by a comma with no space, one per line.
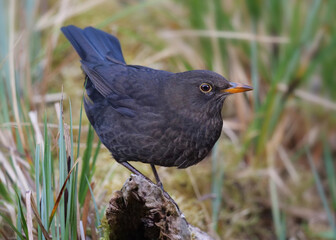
(93,45)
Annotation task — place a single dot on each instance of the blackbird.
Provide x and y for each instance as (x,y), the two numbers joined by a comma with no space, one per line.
(148,115)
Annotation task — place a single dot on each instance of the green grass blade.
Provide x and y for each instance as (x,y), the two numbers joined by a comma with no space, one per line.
(94,159)
(278,222)
(321,192)
(45,194)
(62,174)
(9,222)
(80,123)
(98,220)
(86,166)
(72,200)
(254,68)
(331,175)
(3,103)
(37,183)
(216,185)
(4,193)
(21,216)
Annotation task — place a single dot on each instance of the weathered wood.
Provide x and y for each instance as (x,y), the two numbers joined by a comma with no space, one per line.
(140,210)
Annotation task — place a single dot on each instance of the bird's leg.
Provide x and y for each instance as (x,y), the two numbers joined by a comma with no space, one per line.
(158,181)
(159,184)
(134,170)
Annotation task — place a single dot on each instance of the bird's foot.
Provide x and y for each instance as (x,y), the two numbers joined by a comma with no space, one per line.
(134,170)
(160,185)
(158,181)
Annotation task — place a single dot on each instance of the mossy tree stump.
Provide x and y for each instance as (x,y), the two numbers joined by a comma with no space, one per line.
(141,210)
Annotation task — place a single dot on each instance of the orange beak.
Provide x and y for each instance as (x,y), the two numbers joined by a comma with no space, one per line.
(237,88)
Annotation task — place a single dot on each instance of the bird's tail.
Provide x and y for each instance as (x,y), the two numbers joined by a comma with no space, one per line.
(93,45)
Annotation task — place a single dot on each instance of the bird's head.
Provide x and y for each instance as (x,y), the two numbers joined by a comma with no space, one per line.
(201,92)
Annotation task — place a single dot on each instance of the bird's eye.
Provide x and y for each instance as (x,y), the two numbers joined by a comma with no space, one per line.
(205,87)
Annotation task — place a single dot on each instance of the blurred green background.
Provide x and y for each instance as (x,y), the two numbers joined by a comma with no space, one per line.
(270,176)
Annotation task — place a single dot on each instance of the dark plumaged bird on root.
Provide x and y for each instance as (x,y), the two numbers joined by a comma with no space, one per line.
(148,115)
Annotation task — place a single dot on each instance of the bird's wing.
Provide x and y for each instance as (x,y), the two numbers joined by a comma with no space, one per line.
(104,76)
(126,86)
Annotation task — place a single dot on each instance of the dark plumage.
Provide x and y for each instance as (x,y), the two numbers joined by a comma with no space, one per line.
(147,115)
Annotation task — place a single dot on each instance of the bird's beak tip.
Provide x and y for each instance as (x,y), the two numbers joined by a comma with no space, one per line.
(237,88)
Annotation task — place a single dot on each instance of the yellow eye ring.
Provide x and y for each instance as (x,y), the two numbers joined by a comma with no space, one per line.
(205,87)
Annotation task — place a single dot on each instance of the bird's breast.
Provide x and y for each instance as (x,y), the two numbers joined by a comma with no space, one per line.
(189,140)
